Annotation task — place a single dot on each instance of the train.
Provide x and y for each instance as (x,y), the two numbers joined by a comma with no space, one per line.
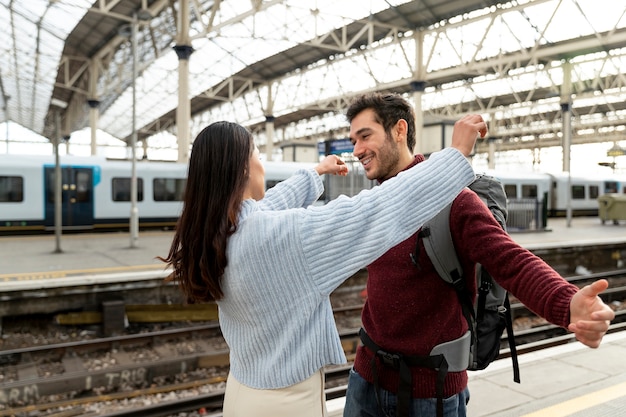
(550,190)
(95,191)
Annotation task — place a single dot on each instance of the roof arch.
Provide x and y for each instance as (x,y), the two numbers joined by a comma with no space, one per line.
(504,59)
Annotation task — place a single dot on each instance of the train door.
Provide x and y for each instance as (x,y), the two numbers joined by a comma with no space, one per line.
(76,197)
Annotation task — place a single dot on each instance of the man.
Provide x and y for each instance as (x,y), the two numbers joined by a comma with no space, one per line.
(410,309)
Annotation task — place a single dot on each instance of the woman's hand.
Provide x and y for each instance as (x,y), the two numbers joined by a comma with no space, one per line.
(332,164)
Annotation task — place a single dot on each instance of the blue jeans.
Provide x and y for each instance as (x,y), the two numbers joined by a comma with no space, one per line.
(361,402)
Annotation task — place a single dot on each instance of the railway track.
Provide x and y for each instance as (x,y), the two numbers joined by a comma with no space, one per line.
(75,375)
(210,403)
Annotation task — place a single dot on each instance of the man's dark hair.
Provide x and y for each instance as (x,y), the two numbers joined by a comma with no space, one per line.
(388,109)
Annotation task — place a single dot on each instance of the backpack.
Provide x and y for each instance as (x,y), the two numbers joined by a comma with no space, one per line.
(491,313)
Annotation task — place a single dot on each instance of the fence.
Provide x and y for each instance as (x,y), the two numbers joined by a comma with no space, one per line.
(524,214)
(349,185)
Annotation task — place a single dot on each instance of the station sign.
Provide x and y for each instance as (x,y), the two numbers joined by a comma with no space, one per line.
(335,146)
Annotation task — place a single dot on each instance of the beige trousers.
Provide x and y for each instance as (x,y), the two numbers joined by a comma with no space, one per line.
(305,399)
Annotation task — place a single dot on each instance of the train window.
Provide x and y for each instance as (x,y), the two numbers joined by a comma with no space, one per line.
(510,190)
(594,191)
(611,186)
(169,189)
(11,189)
(120,189)
(529,191)
(578,192)
(83,186)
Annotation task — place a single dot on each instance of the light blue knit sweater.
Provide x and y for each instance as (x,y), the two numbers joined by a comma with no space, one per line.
(285,260)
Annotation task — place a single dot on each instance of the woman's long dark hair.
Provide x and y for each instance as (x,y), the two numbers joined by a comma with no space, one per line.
(216,180)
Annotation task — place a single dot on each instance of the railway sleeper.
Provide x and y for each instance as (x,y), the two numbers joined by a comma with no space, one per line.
(29,391)
(141,313)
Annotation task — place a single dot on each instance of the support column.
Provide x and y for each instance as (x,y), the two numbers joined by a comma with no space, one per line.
(5,108)
(566,111)
(269,135)
(58,213)
(93,124)
(183,111)
(134,208)
(491,155)
(536,158)
(418,88)
(269,124)
(66,141)
(94,103)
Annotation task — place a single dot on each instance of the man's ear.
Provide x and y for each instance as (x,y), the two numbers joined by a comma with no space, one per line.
(401,129)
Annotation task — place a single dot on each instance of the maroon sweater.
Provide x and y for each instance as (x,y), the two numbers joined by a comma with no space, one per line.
(410,309)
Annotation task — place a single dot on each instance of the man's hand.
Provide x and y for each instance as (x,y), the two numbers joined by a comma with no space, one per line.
(589,316)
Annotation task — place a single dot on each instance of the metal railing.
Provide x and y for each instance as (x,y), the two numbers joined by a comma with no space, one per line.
(525,214)
(349,185)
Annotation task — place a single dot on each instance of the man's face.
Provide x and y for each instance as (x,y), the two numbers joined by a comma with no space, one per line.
(377,151)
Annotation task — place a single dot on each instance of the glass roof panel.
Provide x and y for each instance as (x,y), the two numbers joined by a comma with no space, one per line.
(32,36)
(238,42)
(509,31)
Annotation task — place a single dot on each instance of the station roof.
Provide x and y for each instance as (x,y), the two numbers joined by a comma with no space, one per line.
(242,46)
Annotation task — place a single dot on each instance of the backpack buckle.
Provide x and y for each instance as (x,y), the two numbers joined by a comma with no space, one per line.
(389,359)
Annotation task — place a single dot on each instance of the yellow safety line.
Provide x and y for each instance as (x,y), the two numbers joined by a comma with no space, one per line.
(24,276)
(582,403)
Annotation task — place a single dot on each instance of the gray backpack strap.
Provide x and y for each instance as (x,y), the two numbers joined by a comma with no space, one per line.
(492,194)
(439,246)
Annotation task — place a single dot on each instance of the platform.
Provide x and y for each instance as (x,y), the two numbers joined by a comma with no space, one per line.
(36,256)
(578,231)
(570,380)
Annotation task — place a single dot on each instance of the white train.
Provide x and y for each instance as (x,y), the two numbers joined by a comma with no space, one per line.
(532,197)
(96,192)
(551,190)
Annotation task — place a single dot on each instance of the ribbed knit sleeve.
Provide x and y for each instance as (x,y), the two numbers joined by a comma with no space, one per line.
(300,190)
(350,233)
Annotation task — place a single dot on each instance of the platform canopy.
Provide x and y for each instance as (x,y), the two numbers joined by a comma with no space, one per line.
(297,63)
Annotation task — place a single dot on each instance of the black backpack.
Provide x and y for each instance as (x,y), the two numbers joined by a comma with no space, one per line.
(491,313)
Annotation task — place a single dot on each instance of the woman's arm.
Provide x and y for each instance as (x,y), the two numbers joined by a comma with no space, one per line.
(304,187)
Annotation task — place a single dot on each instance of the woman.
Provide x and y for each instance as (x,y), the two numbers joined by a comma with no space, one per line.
(270,260)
